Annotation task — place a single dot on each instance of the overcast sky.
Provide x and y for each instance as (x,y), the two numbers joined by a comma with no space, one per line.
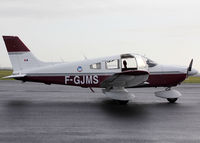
(167,31)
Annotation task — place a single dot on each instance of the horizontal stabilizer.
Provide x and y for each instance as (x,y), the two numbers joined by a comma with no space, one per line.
(15,76)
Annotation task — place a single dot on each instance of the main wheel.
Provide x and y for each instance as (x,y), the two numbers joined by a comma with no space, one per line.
(172,100)
(122,102)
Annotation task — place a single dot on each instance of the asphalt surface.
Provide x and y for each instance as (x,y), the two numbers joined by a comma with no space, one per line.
(38,113)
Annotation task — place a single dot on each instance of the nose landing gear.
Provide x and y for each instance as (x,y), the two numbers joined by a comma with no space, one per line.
(170,94)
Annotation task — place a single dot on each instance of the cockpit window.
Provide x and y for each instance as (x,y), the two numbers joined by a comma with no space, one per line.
(151,63)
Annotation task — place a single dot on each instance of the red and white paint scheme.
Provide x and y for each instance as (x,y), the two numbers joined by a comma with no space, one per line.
(113,74)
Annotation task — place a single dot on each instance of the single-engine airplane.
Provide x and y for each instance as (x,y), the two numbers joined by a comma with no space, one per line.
(113,74)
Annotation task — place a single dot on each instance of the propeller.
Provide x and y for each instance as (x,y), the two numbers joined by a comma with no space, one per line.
(190,67)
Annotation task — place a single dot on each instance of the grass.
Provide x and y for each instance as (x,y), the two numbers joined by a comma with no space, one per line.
(4,73)
(192,80)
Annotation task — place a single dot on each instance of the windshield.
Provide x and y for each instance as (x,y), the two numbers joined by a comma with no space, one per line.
(141,63)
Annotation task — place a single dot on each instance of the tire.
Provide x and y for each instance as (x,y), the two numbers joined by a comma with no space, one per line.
(172,100)
(122,102)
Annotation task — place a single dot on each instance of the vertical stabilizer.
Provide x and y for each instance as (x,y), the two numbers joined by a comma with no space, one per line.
(20,56)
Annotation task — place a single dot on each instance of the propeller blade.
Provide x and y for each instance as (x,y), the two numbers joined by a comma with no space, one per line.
(190,66)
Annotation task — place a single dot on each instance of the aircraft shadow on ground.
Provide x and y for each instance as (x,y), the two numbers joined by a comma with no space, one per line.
(19,103)
(134,109)
(107,107)
(113,109)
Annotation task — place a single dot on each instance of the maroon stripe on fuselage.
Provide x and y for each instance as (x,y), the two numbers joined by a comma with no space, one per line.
(155,80)
(46,79)
(165,80)
(77,80)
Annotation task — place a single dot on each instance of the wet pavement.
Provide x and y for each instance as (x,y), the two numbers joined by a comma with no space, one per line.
(38,113)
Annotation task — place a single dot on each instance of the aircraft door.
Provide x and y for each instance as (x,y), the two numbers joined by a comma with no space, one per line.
(129,63)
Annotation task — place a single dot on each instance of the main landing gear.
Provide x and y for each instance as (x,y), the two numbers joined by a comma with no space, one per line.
(119,94)
(170,94)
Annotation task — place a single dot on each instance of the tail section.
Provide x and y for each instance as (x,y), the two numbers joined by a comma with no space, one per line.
(20,56)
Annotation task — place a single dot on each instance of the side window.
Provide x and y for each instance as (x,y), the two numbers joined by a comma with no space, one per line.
(95,66)
(113,64)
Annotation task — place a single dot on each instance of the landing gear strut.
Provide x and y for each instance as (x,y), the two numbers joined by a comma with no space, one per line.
(170,94)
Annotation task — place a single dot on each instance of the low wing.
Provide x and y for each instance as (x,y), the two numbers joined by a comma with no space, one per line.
(128,78)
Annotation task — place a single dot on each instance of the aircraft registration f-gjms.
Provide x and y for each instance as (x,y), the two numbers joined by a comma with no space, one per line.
(113,74)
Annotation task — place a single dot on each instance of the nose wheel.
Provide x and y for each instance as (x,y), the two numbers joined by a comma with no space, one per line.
(172,100)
